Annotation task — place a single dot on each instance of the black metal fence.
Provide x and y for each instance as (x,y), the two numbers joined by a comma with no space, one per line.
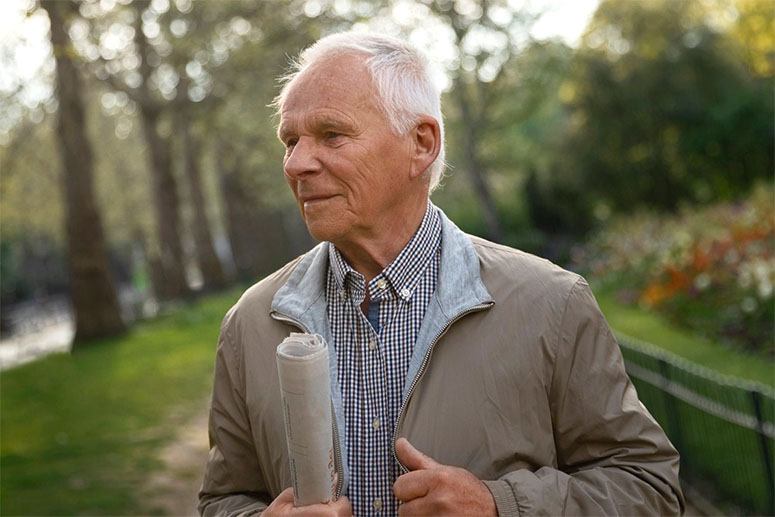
(723,427)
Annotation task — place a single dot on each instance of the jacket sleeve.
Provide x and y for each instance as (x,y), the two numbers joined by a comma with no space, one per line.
(232,484)
(613,458)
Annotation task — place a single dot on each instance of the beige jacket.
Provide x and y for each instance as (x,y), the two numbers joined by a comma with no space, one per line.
(515,377)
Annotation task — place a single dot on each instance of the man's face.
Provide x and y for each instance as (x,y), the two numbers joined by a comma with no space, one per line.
(345,166)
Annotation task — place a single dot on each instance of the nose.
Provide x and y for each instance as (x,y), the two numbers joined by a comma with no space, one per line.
(302,159)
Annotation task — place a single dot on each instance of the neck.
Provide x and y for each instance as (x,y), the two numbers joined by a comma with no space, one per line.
(372,253)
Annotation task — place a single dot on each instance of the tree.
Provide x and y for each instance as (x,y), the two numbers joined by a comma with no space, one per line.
(487,36)
(752,30)
(165,194)
(95,304)
(259,213)
(661,112)
(212,272)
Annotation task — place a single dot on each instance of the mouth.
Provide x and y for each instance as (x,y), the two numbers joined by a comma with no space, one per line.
(310,201)
(316,198)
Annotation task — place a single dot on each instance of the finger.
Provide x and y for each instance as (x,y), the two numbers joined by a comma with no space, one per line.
(415,507)
(412,458)
(342,506)
(285,496)
(414,484)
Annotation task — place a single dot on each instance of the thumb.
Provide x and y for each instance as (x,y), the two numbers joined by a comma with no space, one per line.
(412,458)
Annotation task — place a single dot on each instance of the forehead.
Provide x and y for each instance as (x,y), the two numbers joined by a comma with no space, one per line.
(335,87)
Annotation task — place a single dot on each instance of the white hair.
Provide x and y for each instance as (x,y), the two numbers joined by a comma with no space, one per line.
(401,74)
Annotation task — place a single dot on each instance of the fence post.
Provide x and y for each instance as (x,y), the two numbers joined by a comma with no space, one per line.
(672,411)
(765,446)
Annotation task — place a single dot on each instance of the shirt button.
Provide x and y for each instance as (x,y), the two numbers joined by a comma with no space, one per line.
(342,294)
(372,344)
(381,283)
(405,293)
(377,504)
(375,423)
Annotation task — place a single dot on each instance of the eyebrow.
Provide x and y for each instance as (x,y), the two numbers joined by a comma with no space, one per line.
(325,122)
(319,123)
(283,132)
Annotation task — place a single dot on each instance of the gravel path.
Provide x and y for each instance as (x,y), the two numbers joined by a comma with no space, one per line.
(173,490)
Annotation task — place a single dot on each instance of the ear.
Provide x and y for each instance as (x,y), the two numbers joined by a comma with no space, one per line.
(426,137)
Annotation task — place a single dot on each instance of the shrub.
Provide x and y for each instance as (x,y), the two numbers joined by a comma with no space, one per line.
(711,269)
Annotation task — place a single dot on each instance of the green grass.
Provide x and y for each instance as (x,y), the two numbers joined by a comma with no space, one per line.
(652,328)
(80,433)
(714,451)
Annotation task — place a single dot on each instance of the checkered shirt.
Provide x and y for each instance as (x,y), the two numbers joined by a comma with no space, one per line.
(373,354)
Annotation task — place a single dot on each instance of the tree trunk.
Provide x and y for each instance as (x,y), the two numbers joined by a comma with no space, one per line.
(95,303)
(474,166)
(166,202)
(209,264)
(257,236)
(129,209)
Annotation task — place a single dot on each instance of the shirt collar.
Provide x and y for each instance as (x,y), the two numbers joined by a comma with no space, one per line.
(401,276)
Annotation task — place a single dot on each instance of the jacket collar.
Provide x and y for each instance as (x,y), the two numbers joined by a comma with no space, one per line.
(459,285)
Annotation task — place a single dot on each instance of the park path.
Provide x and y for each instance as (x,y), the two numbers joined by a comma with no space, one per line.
(173,489)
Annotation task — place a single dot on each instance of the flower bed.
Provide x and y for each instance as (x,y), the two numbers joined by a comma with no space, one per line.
(710,269)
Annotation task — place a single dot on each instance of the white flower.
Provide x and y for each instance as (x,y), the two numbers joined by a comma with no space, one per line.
(765,290)
(702,281)
(748,305)
(744,277)
(731,256)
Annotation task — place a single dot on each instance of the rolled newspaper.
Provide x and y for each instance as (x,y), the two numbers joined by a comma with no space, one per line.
(302,364)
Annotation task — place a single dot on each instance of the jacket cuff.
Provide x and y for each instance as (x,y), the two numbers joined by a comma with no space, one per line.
(505,500)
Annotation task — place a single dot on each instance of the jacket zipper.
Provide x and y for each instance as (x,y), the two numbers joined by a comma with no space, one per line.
(337,450)
(423,366)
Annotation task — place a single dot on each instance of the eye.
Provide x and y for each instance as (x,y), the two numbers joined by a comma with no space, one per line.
(332,136)
(290,143)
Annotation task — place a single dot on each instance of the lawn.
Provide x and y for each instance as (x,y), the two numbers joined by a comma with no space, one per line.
(652,328)
(713,450)
(80,433)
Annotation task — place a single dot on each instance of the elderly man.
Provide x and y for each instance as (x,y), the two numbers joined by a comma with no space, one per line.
(497,365)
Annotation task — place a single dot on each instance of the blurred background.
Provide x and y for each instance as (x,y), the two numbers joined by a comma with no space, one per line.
(142,192)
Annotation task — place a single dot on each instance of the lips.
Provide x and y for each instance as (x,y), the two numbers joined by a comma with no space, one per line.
(316,197)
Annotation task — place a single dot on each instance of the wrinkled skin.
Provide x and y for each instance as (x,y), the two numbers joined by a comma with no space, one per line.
(431,488)
(358,183)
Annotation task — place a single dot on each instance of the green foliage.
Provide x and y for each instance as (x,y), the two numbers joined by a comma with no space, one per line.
(660,111)
(80,433)
(753,32)
(30,182)
(711,270)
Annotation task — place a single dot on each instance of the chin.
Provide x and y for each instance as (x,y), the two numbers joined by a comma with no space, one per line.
(324,230)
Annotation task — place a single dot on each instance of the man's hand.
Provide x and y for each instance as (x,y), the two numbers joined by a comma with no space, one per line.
(435,489)
(283,505)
